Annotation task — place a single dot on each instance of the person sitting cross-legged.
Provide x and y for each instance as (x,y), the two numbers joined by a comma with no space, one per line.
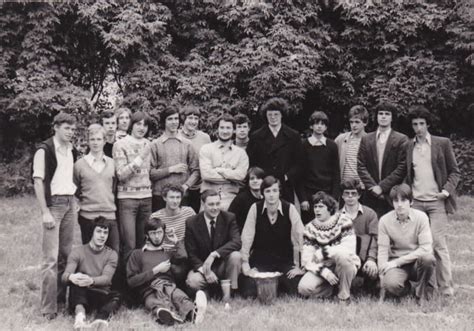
(148,271)
(89,272)
(365,223)
(405,252)
(329,251)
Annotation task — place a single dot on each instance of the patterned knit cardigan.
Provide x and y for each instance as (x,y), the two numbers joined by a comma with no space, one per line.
(324,240)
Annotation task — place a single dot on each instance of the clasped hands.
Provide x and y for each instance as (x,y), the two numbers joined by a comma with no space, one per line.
(81,280)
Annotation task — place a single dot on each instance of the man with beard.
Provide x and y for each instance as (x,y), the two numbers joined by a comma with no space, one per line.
(173,159)
(148,270)
(223,165)
(89,272)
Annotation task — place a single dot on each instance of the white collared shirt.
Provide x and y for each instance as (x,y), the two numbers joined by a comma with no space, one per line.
(97,164)
(208,223)
(382,136)
(275,131)
(313,141)
(359,210)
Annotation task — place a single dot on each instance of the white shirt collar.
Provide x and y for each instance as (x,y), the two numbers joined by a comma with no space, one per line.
(275,130)
(315,142)
(58,145)
(383,133)
(428,139)
(280,207)
(359,209)
(164,137)
(227,144)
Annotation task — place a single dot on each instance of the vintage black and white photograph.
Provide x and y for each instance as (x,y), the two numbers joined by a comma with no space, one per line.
(237,165)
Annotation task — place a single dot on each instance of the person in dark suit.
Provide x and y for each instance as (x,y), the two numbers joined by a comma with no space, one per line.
(381,160)
(213,242)
(276,148)
(433,175)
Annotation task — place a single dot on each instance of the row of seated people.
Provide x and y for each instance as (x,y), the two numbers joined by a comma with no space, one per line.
(316,260)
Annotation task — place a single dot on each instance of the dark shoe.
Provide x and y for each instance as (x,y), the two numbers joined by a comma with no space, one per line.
(50,316)
(166,317)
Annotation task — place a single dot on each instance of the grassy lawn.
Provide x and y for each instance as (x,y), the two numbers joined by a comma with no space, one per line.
(20,255)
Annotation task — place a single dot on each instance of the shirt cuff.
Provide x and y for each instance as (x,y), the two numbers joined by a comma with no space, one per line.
(446,193)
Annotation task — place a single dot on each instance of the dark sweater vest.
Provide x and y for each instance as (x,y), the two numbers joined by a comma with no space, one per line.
(272,243)
(50,164)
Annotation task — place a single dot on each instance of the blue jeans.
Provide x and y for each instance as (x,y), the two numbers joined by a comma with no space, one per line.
(133,213)
(436,211)
(57,243)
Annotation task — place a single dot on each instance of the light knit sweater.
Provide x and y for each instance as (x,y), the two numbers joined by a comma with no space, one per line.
(95,190)
(324,240)
(133,173)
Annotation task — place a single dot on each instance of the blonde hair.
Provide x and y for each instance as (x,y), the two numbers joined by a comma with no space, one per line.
(95,128)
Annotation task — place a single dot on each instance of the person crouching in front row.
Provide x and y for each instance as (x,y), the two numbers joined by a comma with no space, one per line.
(329,251)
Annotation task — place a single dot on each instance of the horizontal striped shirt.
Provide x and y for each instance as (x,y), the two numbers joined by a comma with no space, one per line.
(350,166)
(177,222)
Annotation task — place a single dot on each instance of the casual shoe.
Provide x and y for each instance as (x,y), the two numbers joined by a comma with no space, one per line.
(166,317)
(50,316)
(99,324)
(200,306)
(80,322)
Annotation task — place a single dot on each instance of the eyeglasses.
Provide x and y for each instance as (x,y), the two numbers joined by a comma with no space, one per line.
(350,194)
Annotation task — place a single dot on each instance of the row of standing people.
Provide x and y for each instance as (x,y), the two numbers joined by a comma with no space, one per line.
(379,159)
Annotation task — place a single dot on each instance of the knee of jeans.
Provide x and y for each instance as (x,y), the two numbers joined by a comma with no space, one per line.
(235,258)
(304,287)
(427,260)
(195,280)
(345,259)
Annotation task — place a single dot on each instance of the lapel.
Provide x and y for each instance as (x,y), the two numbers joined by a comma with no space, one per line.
(373,152)
(277,142)
(435,152)
(388,148)
(203,231)
(411,145)
(220,230)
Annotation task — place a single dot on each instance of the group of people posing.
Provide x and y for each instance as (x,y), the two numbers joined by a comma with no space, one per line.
(182,218)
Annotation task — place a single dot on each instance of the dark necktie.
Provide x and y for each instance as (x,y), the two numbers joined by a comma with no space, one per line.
(213,230)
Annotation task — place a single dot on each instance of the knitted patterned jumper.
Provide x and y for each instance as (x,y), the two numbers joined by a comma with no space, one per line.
(323,240)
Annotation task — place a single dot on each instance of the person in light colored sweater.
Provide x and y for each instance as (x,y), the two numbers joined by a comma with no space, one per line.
(132,164)
(329,251)
(94,176)
(88,273)
(405,250)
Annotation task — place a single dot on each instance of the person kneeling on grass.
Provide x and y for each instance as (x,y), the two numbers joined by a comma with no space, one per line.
(329,251)
(148,270)
(405,247)
(89,272)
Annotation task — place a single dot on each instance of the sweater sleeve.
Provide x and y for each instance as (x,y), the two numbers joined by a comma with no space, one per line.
(373,232)
(71,267)
(208,171)
(105,279)
(248,233)
(135,275)
(383,244)
(297,229)
(193,164)
(157,171)
(312,257)
(425,243)
(240,171)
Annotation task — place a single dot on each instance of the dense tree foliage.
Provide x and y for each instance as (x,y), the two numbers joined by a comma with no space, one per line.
(232,55)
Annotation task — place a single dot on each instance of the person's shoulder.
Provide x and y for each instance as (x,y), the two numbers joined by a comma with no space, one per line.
(135,254)
(111,252)
(289,131)
(368,211)
(399,135)
(419,215)
(185,210)
(440,140)
(387,217)
(190,221)
(331,143)
(341,137)
(227,215)
(203,135)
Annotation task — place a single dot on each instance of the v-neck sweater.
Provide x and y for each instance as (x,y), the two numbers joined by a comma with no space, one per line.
(95,189)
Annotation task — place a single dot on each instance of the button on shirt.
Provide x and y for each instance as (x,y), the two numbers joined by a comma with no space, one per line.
(62,181)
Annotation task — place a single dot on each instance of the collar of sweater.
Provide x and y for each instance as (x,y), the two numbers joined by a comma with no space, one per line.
(329,231)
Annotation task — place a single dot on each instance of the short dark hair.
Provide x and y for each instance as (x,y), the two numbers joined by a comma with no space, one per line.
(386,106)
(63,117)
(171,188)
(226,118)
(242,119)
(140,116)
(168,111)
(402,191)
(106,114)
(319,116)
(154,223)
(325,199)
(188,110)
(208,193)
(269,181)
(420,111)
(351,184)
(101,222)
(278,104)
(360,112)
(255,171)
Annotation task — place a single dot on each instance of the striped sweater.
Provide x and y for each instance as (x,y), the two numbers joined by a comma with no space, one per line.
(133,173)
(323,240)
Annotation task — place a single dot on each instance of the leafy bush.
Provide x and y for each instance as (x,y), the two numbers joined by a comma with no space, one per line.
(464,150)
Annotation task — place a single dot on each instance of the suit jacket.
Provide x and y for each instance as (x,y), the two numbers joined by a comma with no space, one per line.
(198,241)
(278,157)
(445,168)
(393,162)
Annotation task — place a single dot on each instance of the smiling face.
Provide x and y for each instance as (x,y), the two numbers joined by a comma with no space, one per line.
(123,121)
(191,122)
(225,130)
(384,118)
(172,123)
(274,118)
(96,142)
(99,236)
(139,129)
(255,183)
(212,206)
(65,132)
(321,212)
(173,199)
